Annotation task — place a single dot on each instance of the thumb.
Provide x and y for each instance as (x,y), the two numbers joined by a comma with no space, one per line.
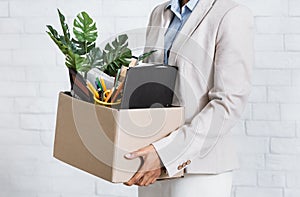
(135,154)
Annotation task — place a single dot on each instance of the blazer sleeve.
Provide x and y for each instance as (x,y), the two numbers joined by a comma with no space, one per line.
(227,98)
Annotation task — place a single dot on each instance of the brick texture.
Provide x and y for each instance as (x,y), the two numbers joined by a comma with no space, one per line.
(33,72)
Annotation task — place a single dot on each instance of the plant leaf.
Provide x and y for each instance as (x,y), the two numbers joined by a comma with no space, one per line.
(146,55)
(108,47)
(115,43)
(122,38)
(85,29)
(95,59)
(57,39)
(82,48)
(74,61)
(65,28)
(116,54)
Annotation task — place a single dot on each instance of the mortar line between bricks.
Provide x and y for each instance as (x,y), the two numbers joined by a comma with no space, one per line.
(265,160)
(270,145)
(9,10)
(280,109)
(285,179)
(296,127)
(256,184)
(279,69)
(284,42)
(267,94)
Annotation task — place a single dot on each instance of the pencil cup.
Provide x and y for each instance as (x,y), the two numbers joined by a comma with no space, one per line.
(115,104)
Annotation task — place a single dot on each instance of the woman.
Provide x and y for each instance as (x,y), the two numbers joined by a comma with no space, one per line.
(211,42)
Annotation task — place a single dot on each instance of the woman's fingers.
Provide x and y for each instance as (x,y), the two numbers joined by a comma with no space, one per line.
(151,166)
(149,178)
(136,178)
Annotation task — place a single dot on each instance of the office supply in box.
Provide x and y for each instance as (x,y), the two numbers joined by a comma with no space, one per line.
(79,87)
(140,87)
(95,73)
(149,86)
(95,138)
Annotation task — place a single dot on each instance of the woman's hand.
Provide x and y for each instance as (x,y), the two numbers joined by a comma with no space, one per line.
(150,170)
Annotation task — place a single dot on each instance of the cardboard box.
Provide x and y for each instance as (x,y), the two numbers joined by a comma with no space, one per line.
(95,139)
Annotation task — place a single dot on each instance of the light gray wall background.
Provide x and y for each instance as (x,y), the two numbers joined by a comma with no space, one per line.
(33,72)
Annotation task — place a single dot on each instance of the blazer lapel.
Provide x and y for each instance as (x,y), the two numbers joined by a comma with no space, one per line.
(155,39)
(166,19)
(196,17)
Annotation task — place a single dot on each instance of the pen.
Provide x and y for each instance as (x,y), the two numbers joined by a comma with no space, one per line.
(98,83)
(103,84)
(92,89)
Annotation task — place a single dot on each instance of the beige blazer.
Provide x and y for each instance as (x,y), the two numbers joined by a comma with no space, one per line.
(214,55)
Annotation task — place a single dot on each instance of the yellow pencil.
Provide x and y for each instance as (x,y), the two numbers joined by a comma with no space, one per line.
(93,90)
(103,84)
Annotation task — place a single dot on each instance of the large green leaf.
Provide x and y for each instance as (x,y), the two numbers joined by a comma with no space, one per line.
(82,48)
(80,52)
(62,41)
(116,54)
(85,29)
(122,39)
(65,28)
(74,61)
(59,40)
(95,59)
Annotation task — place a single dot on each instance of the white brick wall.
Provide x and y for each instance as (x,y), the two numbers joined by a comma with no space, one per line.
(33,72)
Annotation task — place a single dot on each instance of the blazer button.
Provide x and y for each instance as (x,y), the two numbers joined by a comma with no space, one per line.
(188,162)
(179,167)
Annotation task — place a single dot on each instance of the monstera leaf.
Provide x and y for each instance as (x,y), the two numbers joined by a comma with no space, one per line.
(72,49)
(74,61)
(94,59)
(116,54)
(85,31)
(82,48)
(81,54)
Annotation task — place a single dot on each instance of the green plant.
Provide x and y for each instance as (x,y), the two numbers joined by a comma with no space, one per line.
(81,52)
(71,48)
